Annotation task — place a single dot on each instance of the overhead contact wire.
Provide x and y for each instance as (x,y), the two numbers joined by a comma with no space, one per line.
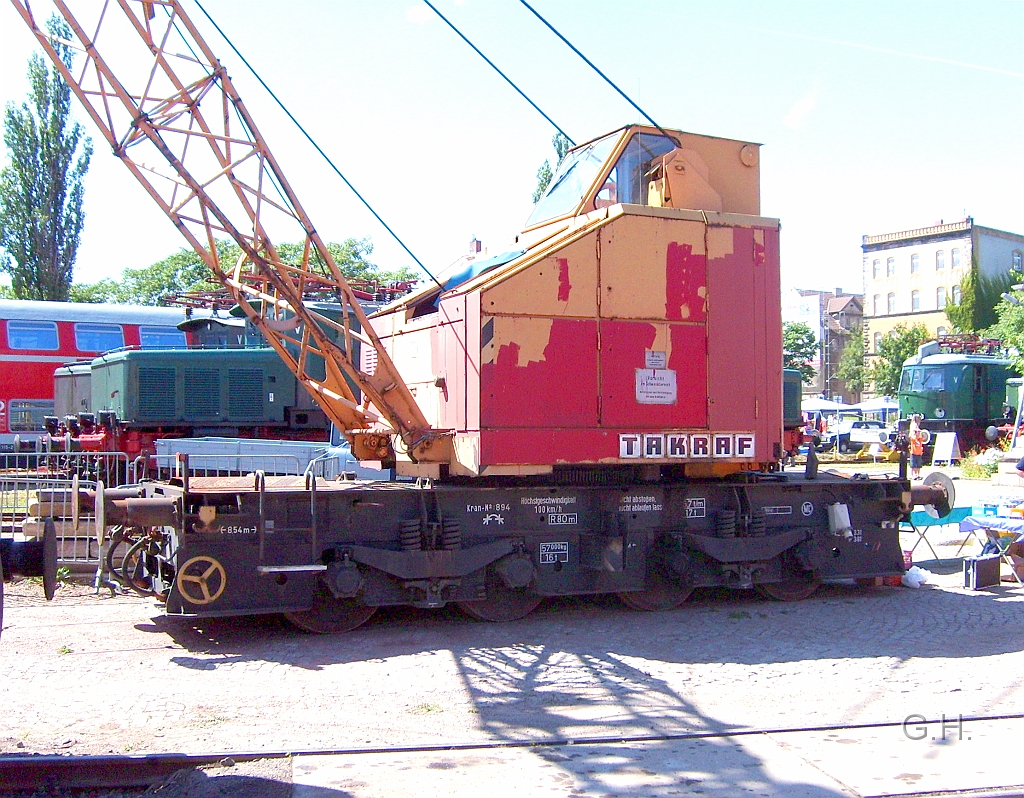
(495,68)
(312,141)
(593,66)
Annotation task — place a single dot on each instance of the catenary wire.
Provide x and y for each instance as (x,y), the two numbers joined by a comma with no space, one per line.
(593,66)
(495,68)
(312,141)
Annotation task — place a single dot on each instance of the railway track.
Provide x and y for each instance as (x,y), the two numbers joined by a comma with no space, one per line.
(70,773)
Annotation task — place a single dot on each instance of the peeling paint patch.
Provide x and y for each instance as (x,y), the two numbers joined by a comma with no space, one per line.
(564,286)
(685,283)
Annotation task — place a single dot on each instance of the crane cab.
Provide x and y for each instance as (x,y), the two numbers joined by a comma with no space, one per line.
(634,321)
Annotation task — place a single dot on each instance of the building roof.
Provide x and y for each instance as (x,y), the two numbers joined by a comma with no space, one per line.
(839,304)
(944,230)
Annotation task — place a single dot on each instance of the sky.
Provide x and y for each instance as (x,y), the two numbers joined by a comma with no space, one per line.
(874,116)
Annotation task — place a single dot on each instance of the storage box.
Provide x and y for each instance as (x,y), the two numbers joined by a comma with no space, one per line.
(981,572)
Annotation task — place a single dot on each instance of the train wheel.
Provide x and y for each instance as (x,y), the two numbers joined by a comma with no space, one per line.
(659,595)
(503,603)
(794,588)
(330,615)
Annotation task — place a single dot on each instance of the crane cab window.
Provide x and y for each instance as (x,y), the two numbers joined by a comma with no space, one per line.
(161,338)
(631,173)
(626,182)
(98,337)
(32,335)
(573,176)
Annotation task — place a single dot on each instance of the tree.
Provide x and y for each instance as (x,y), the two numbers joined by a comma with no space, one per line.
(545,173)
(185,271)
(42,188)
(851,362)
(799,346)
(979,295)
(894,349)
(1010,325)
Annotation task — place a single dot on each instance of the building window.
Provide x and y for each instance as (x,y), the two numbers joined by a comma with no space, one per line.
(890,267)
(915,263)
(877,304)
(940,260)
(878,342)
(940,331)
(956,295)
(876,269)
(915,300)
(891,303)
(940,297)
(955,258)
(1018,260)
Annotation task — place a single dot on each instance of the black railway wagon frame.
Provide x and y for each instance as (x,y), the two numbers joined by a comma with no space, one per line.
(328,554)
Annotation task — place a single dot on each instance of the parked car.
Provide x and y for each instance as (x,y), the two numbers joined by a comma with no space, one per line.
(852,435)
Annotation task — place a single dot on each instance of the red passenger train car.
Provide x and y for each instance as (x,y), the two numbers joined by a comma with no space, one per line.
(38,337)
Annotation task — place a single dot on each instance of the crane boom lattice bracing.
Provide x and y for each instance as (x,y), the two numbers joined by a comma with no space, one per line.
(170,112)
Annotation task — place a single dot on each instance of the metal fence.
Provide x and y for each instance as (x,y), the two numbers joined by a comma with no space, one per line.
(28,501)
(166,466)
(112,468)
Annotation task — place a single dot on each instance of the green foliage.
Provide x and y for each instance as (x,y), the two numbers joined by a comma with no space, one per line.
(1009,324)
(41,187)
(851,362)
(979,296)
(186,271)
(545,173)
(798,347)
(981,463)
(884,370)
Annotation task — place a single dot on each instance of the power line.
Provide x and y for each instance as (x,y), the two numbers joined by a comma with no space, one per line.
(495,68)
(594,67)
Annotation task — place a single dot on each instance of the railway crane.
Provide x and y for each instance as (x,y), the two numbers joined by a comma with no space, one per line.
(598,409)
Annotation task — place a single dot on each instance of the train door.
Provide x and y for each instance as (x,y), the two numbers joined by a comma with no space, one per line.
(979,393)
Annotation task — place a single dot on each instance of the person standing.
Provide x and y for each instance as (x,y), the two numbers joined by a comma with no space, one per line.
(917,439)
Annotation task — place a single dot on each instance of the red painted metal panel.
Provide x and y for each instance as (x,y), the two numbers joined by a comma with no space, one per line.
(742,319)
(685,281)
(623,348)
(731,322)
(558,390)
(770,288)
(472,376)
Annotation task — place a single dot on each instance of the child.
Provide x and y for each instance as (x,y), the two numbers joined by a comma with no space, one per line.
(916,446)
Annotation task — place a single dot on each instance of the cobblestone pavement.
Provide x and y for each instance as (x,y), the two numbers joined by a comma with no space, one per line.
(90,674)
(97,674)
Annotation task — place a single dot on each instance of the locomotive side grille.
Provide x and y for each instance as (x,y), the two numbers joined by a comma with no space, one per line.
(156,393)
(245,394)
(202,393)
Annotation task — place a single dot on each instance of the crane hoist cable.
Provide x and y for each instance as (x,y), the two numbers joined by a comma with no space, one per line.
(495,68)
(593,66)
(318,148)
